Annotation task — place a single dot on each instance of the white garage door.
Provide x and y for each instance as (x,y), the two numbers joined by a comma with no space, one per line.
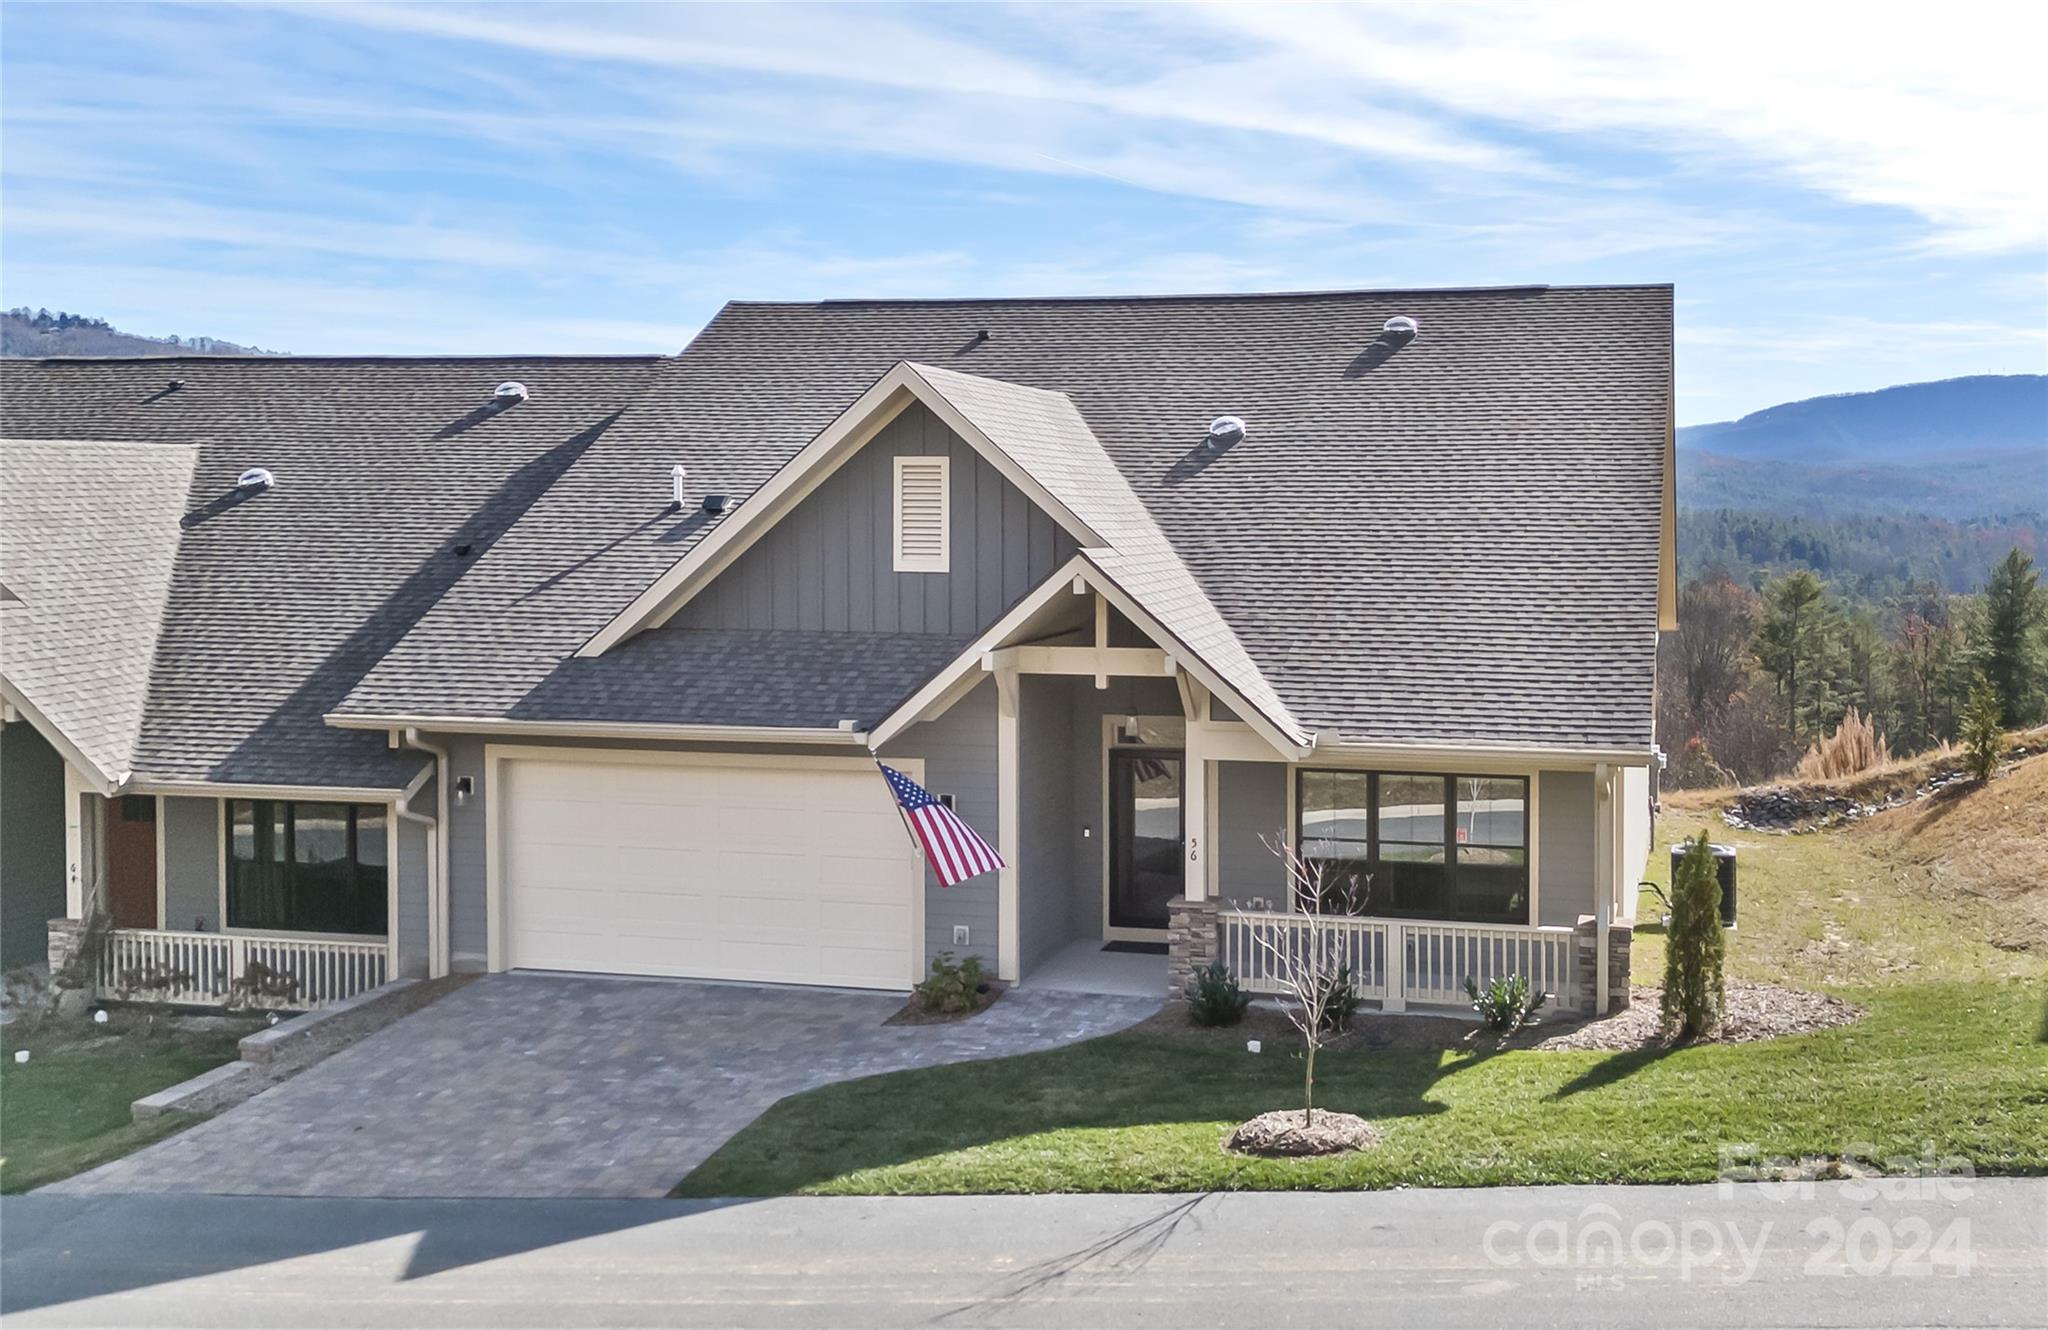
(788,873)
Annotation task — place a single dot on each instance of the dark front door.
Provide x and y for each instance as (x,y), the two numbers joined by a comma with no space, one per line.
(131,861)
(1144,835)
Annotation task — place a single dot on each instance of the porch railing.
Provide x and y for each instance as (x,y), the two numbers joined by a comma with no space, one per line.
(1399,961)
(231,970)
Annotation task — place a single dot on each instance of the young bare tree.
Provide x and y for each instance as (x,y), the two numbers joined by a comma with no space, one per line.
(1311,962)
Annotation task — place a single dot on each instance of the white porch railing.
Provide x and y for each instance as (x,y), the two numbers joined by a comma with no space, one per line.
(227,969)
(1399,961)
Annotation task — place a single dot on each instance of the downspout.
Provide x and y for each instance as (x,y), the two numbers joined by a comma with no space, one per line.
(1603,903)
(437,848)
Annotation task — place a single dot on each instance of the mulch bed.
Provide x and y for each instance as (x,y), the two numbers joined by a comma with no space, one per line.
(1282,1135)
(914,1013)
(1755,1011)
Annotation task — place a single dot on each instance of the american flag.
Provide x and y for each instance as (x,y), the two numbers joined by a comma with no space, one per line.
(950,845)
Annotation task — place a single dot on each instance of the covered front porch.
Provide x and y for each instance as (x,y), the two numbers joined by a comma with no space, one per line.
(1140,810)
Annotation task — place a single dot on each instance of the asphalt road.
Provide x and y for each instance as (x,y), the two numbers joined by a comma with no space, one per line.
(1970,1253)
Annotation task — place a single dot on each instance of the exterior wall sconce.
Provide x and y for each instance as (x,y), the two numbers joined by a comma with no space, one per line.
(464,787)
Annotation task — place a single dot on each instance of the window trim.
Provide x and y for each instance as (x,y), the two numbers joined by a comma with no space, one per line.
(1531,783)
(224,864)
(943,561)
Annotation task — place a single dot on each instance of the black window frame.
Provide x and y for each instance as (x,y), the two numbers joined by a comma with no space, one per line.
(293,901)
(1452,900)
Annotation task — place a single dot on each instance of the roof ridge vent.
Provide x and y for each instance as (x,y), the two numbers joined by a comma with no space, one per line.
(256,479)
(509,393)
(1225,431)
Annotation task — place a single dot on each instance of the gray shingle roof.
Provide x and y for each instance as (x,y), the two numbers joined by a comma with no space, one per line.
(698,676)
(1046,435)
(88,537)
(1454,540)
(279,603)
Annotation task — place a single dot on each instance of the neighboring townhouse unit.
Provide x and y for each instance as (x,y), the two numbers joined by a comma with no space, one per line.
(584,664)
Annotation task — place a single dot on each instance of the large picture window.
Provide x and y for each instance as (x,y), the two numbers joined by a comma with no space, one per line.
(306,867)
(1421,847)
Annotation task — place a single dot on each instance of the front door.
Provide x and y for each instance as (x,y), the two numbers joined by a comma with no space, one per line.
(131,861)
(1145,834)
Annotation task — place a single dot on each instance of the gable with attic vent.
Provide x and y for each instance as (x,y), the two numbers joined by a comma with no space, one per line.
(837,561)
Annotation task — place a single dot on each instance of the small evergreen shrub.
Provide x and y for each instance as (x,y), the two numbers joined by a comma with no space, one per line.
(953,986)
(1983,731)
(1695,991)
(1340,1003)
(1507,1003)
(1216,999)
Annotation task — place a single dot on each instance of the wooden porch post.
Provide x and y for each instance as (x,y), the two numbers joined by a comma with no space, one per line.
(1008,827)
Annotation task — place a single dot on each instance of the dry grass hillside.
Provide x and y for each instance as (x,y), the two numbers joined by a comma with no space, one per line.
(1950,886)
(1984,844)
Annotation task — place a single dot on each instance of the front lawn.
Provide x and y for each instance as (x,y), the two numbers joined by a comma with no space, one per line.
(1950,1057)
(66,1109)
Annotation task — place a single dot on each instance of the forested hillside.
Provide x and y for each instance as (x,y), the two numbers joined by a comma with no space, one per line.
(38,332)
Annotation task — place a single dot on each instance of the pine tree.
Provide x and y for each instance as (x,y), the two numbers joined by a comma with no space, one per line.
(1983,736)
(1794,646)
(1695,991)
(2010,650)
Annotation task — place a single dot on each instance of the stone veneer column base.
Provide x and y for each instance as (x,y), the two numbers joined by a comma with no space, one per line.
(1190,943)
(1585,943)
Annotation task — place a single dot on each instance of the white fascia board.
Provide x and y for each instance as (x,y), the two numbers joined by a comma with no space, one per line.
(813,464)
(214,789)
(604,730)
(104,783)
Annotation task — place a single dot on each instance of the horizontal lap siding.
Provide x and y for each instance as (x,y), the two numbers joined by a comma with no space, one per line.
(192,851)
(1251,808)
(828,565)
(1564,846)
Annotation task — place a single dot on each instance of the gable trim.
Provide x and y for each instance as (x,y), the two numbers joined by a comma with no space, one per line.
(103,782)
(759,512)
(1076,576)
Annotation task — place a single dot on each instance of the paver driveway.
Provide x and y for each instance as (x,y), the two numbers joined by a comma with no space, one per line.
(554,1085)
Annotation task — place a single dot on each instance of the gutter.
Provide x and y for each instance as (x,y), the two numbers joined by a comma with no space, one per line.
(576,729)
(437,843)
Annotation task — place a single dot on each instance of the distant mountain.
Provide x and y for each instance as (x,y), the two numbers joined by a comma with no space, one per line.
(1959,449)
(26,332)
(1911,424)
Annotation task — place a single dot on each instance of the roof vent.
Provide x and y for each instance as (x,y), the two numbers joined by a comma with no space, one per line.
(676,476)
(509,393)
(256,479)
(1225,431)
(1401,326)
(717,505)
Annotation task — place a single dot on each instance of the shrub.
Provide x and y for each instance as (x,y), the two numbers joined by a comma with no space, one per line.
(1507,1003)
(1216,999)
(1695,992)
(1983,730)
(1340,1001)
(953,986)
(1854,746)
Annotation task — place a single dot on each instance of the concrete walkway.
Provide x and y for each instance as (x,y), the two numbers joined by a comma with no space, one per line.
(555,1085)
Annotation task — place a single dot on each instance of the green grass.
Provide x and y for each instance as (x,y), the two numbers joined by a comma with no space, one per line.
(1950,1054)
(66,1109)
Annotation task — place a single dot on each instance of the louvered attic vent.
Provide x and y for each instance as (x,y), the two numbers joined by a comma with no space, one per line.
(922,537)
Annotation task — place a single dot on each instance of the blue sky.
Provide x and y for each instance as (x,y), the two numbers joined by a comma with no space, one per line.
(1846,197)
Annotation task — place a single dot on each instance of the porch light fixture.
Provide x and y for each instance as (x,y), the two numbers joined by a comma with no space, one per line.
(464,787)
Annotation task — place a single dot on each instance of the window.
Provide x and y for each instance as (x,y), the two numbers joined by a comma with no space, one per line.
(922,526)
(1423,847)
(307,867)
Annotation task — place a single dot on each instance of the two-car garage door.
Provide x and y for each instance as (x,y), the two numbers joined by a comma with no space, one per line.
(781,870)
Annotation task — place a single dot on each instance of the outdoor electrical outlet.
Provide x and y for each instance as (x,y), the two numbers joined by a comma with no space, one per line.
(959,935)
